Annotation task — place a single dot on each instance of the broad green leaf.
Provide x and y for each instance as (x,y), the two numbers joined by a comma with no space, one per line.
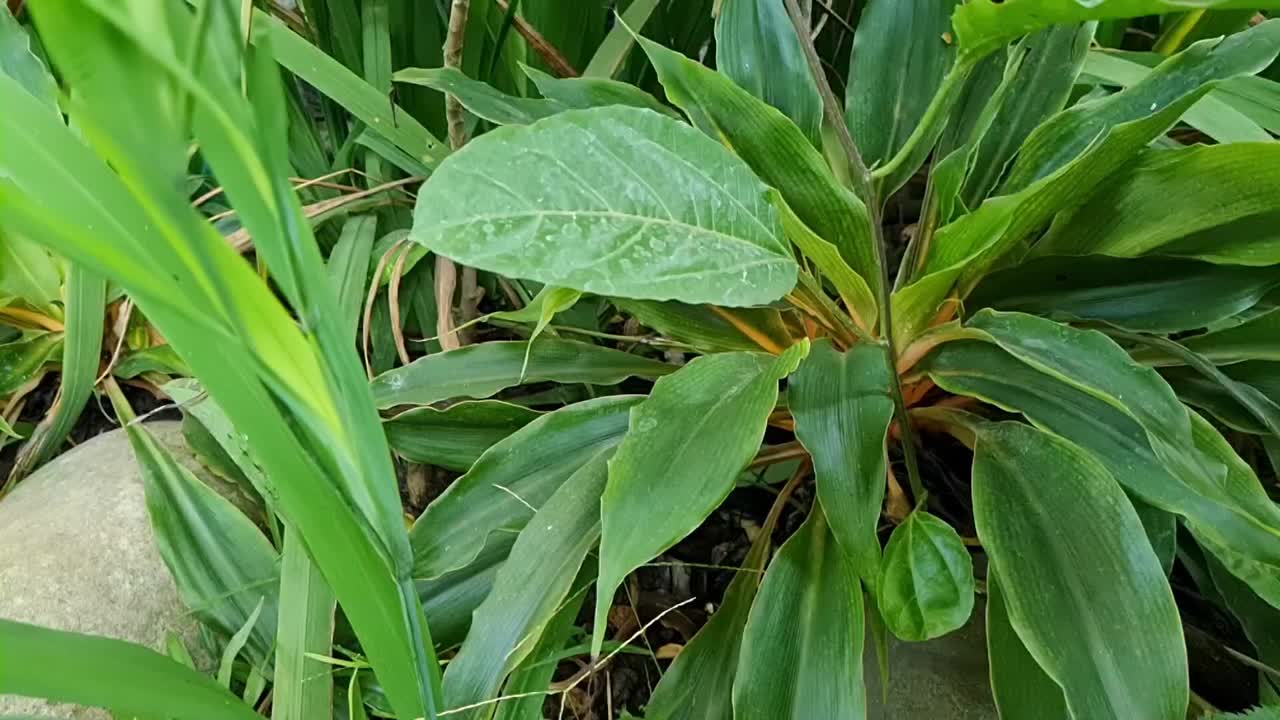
(156,359)
(455,437)
(529,588)
(1251,240)
(1091,606)
(891,81)
(925,589)
(842,410)
(540,311)
(757,46)
(20,361)
(533,678)
(589,92)
(963,251)
(684,447)
(1147,294)
(851,286)
(27,271)
(223,566)
(129,679)
(1185,75)
(1232,508)
(802,648)
(1039,89)
(82,346)
(199,407)
(356,96)
(19,62)
(984,25)
(1021,688)
(775,149)
(1162,531)
(480,371)
(505,486)
(482,99)
(349,269)
(303,685)
(699,683)
(1244,396)
(1170,194)
(1259,619)
(687,220)
(1214,115)
(1257,338)
(449,600)
(710,328)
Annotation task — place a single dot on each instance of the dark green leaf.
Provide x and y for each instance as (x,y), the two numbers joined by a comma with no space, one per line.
(892,80)
(688,221)
(529,588)
(1169,194)
(802,647)
(156,359)
(303,687)
(589,92)
(20,63)
(28,272)
(775,149)
(1185,75)
(482,99)
(1021,688)
(685,445)
(707,327)
(925,588)
(1091,606)
(842,411)
(1257,338)
(492,502)
(21,361)
(1147,294)
(456,436)
(479,371)
(349,269)
(757,46)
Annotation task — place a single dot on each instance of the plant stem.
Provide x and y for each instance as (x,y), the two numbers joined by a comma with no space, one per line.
(866,189)
(446,270)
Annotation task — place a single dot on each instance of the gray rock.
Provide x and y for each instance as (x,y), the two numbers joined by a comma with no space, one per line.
(942,679)
(77,553)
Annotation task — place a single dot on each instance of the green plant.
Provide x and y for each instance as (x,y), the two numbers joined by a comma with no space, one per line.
(1038,316)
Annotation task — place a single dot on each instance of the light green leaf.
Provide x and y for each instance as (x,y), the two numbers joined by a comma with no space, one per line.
(1213,115)
(775,149)
(926,587)
(757,46)
(617,44)
(685,445)
(687,221)
(20,63)
(1185,75)
(984,25)
(802,648)
(365,102)
(851,286)
(1021,688)
(1167,195)
(232,649)
(27,271)
(223,566)
(349,269)
(589,92)
(892,81)
(1147,294)
(503,489)
(480,371)
(1091,606)
(455,437)
(963,251)
(842,411)
(155,359)
(540,311)
(482,99)
(129,679)
(1039,89)
(21,360)
(303,687)
(82,346)
(529,588)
